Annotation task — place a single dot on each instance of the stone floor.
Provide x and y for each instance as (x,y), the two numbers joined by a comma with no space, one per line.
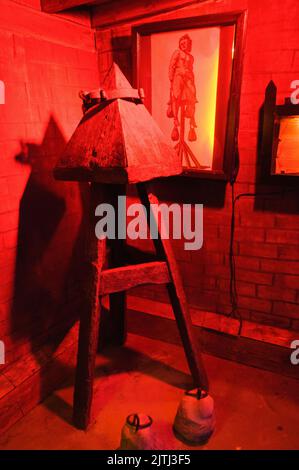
(254,409)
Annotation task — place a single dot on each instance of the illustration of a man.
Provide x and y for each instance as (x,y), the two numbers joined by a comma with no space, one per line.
(182,87)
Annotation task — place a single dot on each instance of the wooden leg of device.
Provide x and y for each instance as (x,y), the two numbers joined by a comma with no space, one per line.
(176,292)
(89,318)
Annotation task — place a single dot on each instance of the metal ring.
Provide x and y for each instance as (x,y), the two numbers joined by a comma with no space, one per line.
(136,421)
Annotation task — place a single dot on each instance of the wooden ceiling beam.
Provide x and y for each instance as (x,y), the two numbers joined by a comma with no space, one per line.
(117,12)
(55,6)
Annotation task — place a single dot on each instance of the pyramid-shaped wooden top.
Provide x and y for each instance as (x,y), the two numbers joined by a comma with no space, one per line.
(118,141)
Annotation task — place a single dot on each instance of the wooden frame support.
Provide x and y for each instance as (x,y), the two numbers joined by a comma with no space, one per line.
(89,318)
(126,277)
(100,281)
(176,291)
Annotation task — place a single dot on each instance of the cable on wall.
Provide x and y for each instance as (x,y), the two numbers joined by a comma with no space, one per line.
(233,280)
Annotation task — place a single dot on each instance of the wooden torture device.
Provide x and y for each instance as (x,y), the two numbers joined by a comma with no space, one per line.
(116,143)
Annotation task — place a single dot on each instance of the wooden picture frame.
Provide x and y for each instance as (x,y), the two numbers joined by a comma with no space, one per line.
(146,40)
(272,117)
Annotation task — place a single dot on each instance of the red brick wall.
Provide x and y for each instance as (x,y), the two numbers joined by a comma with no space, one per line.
(44,61)
(267,230)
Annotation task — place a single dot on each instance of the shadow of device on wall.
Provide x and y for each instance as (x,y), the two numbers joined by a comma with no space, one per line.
(50,243)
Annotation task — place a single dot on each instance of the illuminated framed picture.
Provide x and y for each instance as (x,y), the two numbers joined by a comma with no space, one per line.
(280,138)
(285,154)
(190,70)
